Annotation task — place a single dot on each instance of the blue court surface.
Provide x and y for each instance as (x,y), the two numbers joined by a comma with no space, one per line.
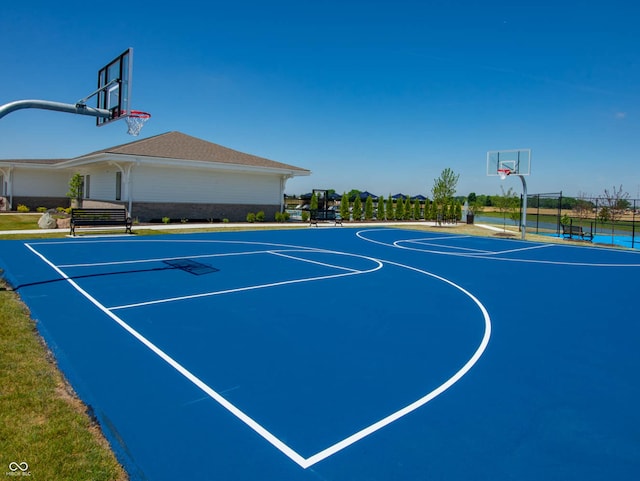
(341,354)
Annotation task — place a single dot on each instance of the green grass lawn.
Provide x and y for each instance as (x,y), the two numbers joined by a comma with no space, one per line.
(12,221)
(42,423)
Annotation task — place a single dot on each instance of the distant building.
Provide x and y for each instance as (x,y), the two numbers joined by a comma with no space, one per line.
(170,175)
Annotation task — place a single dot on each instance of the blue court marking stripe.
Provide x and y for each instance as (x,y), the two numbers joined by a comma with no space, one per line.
(285,449)
(350,272)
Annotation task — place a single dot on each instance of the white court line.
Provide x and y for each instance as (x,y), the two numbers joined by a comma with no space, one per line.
(350,272)
(273,440)
(421,242)
(294,456)
(493,255)
(162,259)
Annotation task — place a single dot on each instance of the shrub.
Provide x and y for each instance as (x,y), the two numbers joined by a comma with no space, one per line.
(225,221)
(305,216)
(22,208)
(260,216)
(41,210)
(62,210)
(251,217)
(166,220)
(282,216)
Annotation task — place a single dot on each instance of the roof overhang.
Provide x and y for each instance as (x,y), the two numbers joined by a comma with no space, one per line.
(176,163)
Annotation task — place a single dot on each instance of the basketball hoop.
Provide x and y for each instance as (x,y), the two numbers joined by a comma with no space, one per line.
(503,173)
(135,121)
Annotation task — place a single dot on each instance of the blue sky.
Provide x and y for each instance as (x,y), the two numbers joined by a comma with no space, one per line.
(373,95)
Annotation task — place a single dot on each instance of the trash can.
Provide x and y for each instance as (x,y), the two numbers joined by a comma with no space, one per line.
(470,218)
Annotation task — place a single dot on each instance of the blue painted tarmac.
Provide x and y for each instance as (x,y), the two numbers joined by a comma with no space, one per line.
(345,354)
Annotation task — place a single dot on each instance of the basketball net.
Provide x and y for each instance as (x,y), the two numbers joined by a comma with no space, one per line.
(135,121)
(503,173)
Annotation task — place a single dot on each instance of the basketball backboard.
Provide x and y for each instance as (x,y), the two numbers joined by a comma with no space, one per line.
(114,87)
(509,162)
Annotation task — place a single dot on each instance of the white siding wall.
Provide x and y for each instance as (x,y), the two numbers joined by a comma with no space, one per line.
(188,185)
(41,183)
(103,183)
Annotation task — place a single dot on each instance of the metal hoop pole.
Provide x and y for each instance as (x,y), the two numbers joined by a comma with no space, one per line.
(57,106)
(523,224)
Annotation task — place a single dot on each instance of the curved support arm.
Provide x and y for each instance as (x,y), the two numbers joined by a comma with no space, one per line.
(57,106)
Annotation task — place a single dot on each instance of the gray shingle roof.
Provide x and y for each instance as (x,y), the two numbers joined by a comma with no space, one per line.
(176,145)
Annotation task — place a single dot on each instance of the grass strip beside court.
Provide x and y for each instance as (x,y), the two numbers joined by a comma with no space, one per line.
(42,424)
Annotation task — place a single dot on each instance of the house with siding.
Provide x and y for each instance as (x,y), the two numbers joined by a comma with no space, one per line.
(170,175)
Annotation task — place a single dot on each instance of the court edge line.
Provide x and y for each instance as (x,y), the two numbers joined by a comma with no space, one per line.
(289,452)
(286,450)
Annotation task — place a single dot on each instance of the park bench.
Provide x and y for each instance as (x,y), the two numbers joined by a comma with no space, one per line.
(324,215)
(99,218)
(571,231)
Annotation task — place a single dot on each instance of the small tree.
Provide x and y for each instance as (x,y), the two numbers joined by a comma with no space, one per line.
(368,208)
(416,209)
(381,214)
(399,209)
(615,201)
(357,208)
(391,213)
(583,206)
(507,204)
(444,188)
(313,204)
(408,212)
(344,207)
(76,188)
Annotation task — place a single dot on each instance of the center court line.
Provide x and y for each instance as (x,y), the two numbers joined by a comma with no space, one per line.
(282,447)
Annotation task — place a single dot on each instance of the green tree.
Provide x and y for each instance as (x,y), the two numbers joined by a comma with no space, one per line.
(399,209)
(458,211)
(444,188)
(344,207)
(416,209)
(380,214)
(616,201)
(368,208)
(508,204)
(357,208)
(76,188)
(391,212)
(313,204)
(408,212)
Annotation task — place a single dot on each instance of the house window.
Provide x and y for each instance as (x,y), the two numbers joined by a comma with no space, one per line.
(86,190)
(118,185)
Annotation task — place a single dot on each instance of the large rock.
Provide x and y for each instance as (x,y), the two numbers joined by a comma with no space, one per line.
(64,223)
(47,222)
